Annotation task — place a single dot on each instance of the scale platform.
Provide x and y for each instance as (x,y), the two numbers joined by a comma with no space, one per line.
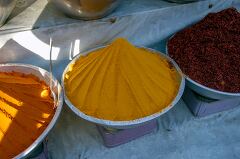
(202,106)
(116,137)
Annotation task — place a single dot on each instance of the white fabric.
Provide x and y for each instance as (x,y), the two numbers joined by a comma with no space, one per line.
(180,134)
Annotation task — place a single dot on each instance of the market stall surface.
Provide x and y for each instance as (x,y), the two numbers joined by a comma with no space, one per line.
(179,134)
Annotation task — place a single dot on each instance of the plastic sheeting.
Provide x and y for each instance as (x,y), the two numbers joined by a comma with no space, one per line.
(180,134)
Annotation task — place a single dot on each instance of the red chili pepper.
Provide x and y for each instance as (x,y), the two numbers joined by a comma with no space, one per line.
(209,51)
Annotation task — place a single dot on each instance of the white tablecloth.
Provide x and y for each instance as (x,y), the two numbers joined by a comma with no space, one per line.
(180,135)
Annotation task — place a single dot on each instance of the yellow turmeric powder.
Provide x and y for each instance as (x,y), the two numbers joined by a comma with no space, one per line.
(121,82)
(24,113)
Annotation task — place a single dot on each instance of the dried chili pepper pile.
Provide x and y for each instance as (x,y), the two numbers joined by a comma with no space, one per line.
(209,51)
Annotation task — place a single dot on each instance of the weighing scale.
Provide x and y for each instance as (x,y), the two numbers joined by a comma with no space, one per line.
(202,106)
(115,137)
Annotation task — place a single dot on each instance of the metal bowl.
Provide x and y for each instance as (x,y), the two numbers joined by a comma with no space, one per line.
(86,9)
(131,123)
(182,1)
(6,7)
(57,93)
(204,90)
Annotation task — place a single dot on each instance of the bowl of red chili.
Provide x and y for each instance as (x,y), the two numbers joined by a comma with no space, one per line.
(208,54)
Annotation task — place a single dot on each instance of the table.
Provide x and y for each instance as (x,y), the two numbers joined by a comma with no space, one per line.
(25,39)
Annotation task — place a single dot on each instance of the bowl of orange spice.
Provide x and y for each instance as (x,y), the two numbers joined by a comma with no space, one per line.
(86,9)
(121,85)
(29,108)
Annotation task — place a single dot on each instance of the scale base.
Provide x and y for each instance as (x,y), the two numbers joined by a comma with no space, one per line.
(202,106)
(116,137)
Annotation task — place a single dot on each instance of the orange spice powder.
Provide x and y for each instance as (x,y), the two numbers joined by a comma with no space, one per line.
(26,108)
(121,82)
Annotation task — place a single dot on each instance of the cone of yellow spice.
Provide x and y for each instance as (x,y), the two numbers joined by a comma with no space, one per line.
(26,108)
(121,82)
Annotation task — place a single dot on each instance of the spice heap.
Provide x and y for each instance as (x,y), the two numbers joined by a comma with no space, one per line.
(121,82)
(94,6)
(208,52)
(26,108)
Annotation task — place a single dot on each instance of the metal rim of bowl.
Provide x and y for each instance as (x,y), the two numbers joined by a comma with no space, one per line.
(182,1)
(200,85)
(131,123)
(59,106)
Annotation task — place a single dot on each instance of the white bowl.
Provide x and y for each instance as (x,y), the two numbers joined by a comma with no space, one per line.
(131,123)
